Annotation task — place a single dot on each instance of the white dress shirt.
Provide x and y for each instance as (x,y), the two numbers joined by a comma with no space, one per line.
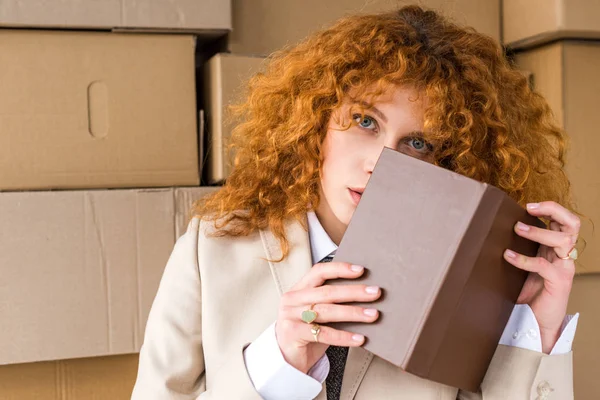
(275,379)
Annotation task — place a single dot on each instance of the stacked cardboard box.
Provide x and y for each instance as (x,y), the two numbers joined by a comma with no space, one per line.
(263,26)
(108,122)
(96,110)
(558,42)
(224,78)
(80,271)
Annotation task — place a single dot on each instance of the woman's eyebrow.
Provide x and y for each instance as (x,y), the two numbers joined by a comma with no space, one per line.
(418,134)
(374,109)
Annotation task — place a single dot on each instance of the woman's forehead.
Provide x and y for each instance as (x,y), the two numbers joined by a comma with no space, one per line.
(390,96)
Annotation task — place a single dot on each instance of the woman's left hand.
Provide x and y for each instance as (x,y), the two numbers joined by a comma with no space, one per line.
(548,285)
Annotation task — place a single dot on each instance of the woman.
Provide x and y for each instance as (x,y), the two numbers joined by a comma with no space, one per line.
(228,322)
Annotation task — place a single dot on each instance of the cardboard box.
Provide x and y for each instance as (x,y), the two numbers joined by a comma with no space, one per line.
(566,74)
(80,269)
(263,26)
(100,378)
(97,110)
(528,23)
(181,15)
(225,76)
(184,201)
(585,297)
(447,292)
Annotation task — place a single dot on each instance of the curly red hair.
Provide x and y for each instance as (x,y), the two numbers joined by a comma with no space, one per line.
(482,117)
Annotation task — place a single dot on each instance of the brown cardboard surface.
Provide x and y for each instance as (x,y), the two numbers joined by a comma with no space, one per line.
(97,110)
(447,290)
(566,74)
(263,26)
(101,378)
(585,297)
(225,75)
(184,200)
(187,15)
(528,23)
(80,269)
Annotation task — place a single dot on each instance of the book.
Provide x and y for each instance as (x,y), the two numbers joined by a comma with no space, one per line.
(433,240)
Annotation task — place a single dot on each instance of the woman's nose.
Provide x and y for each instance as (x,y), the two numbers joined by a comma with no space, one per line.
(370,165)
(372,158)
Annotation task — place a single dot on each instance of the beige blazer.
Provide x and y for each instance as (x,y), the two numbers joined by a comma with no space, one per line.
(218,294)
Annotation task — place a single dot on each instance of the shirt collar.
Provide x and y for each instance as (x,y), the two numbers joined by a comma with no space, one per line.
(321,244)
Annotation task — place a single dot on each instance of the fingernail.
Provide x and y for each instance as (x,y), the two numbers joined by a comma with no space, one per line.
(372,289)
(371,312)
(523,227)
(533,206)
(357,337)
(510,254)
(356,268)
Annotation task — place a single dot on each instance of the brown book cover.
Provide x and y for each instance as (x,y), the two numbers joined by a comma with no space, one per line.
(433,240)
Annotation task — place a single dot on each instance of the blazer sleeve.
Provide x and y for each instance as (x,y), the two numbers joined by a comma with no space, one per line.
(520,374)
(171,363)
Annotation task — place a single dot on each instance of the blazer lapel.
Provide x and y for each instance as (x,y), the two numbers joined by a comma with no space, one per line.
(287,273)
(357,364)
(291,269)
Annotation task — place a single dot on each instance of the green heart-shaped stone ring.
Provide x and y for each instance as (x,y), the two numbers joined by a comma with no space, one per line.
(309,316)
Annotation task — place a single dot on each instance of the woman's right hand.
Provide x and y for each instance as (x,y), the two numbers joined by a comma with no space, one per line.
(294,336)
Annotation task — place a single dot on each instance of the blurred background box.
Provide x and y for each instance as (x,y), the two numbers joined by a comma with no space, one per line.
(585,298)
(100,378)
(263,26)
(80,269)
(97,110)
(224,76)
(566,74)
(199,16)
(527,23)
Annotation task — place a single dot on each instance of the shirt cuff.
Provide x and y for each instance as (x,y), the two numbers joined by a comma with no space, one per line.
(275,379)
(522,330)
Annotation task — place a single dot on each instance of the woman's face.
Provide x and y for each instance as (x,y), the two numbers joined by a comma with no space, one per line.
(349,156)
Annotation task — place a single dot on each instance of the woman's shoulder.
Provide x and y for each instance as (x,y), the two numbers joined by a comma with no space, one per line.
(210,226)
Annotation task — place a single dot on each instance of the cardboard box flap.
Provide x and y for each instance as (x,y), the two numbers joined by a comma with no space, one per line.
(66,13)
(179,14)
(182,15)
(528,23)
(81,270)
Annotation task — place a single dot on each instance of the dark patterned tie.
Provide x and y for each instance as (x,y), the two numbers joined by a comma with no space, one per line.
(337,362)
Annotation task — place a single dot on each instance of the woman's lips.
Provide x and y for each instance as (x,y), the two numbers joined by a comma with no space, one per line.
(355,195)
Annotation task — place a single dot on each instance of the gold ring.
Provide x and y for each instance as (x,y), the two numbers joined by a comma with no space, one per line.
(573,254)
(315,329)
(309,316)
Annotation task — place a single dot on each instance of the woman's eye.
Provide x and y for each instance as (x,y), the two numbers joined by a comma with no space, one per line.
(364,122)
(419,144)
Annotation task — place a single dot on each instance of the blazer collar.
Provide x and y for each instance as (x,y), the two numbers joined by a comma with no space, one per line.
(288,272)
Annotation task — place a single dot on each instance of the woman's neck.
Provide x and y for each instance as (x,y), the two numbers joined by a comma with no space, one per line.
(331,224)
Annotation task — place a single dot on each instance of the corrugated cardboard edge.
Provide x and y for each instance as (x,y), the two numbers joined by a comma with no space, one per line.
(546,38)
(214,107)
(116,16)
